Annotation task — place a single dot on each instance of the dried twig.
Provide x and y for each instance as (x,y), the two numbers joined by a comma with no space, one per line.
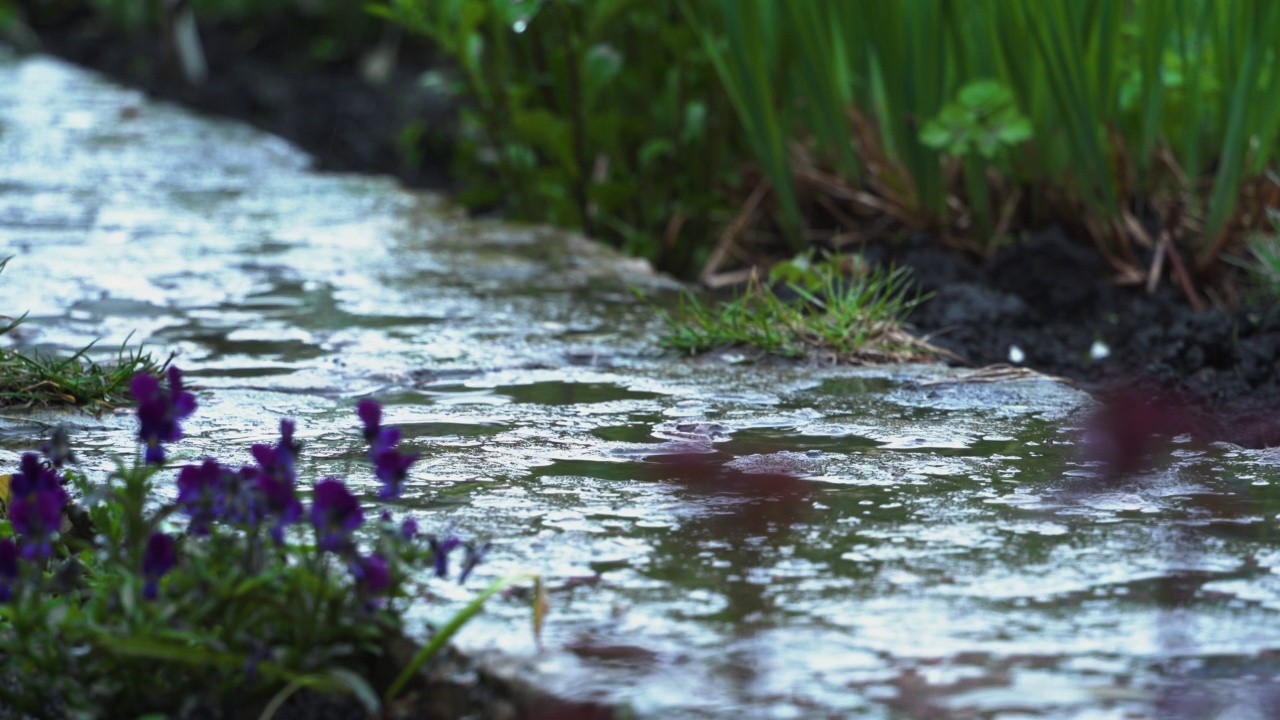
(710,275)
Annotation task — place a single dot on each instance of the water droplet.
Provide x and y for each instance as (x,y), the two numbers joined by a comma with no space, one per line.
(1099,350)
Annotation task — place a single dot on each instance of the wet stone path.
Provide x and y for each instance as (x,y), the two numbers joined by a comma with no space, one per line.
(720,539)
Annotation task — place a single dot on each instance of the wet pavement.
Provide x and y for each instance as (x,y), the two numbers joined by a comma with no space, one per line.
(720,538)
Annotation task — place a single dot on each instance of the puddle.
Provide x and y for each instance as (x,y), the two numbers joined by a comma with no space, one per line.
(720,540)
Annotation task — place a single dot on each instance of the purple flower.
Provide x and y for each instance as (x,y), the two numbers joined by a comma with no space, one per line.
(370,413)
(160,413)
(8,568)
(440,549)
(390,465)
(36,504)
(199,489)
(409,530)
(156,561)
(275,479)
(371,573)
(474,554)
(392,468)
(238,499)
(335,513)
(58,448)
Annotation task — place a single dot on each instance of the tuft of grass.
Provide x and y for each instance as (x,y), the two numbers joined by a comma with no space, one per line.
(40,380)
(33,379)
(819,312)
(1262,269)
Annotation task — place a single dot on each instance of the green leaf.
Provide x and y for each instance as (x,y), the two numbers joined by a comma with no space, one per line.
(935,134)
(654,150)
(357,686)
(549,133)
(602,64)
(1014,130)
(695,122)
(985,94)
(450,629)
(987,144)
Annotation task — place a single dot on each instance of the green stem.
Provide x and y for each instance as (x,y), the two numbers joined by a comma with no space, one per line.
(450,629)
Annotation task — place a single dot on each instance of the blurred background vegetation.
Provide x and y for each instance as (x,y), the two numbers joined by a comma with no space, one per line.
(718,136)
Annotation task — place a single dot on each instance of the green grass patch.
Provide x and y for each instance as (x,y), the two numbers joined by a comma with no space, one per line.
(40,380)
(820,311)
(1261,270)
(33,379)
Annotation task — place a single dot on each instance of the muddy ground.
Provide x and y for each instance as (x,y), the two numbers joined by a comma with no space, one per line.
(1046,301)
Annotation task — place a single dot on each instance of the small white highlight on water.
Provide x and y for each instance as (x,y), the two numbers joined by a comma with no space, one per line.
(1016,356)
(1099,350)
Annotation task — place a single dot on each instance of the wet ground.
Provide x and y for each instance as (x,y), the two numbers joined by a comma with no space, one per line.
(721,539)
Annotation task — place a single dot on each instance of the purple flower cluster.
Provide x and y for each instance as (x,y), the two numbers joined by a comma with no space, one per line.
(35,506)
(36,503)
(335,513)
(371,572)
(441,547)
(159,413)
(211,492)
(275,479)
(267,492)
(262,493)
(389,464)
(159,558)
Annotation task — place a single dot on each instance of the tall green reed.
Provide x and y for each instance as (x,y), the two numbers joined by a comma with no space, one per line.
(1130,103)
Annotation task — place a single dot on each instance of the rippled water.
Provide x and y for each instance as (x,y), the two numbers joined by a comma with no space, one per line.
(721,539)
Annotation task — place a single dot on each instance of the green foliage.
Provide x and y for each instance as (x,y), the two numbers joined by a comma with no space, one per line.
(597,114)
(8,15)
(232,618)
(237,619)
(1262,268)
(746,57)
(1104,103)
(978,128)
(983,120)
(812,274)
(853,318)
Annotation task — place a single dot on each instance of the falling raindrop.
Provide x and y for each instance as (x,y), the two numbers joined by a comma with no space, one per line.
(1099,350)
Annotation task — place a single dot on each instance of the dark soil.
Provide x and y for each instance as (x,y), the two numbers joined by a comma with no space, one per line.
(1048,295)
